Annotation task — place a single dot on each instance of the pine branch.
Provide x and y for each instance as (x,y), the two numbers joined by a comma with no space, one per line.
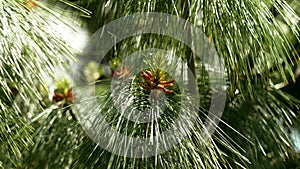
(30,51)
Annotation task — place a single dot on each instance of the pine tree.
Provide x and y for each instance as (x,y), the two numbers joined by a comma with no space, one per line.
(40,122)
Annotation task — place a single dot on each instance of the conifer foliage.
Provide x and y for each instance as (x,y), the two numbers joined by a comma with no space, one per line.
(39,123)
